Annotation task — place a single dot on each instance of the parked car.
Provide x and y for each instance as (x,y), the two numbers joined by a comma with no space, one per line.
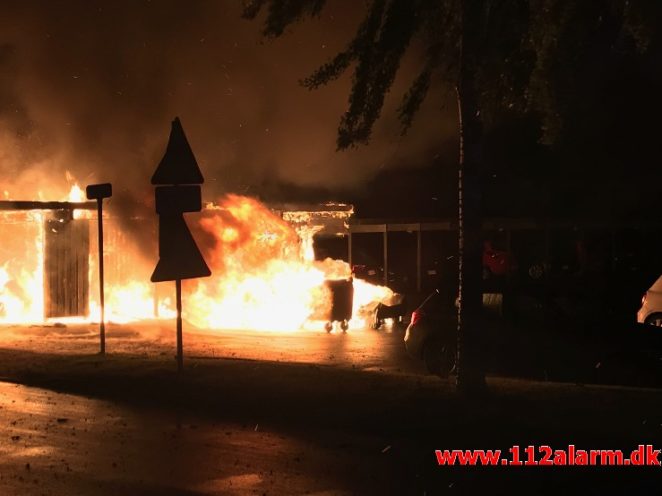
(497,263)
(651,305)
(431,334)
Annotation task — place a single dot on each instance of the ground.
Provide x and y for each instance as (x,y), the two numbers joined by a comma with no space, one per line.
(363,349)
(307,413)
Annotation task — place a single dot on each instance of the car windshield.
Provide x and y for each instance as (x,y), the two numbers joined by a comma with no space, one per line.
(657,286)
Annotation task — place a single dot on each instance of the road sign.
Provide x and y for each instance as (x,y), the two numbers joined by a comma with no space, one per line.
(179,256)
(98,191)
(178,165)
(172,200)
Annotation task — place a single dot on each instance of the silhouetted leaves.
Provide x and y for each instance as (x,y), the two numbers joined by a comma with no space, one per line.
(529,51)
(376,50)
(414,98)
(281,13)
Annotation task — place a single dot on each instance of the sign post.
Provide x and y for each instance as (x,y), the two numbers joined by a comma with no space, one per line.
(98,192)
(180,343)
(178,180)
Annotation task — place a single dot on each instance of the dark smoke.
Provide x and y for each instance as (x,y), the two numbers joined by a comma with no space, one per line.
(91,87)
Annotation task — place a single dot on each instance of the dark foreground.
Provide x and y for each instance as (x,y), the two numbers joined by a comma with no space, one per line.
(237,426)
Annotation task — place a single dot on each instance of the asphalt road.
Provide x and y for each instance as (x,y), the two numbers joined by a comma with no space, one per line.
(362,349)
(58,444)
(353,416)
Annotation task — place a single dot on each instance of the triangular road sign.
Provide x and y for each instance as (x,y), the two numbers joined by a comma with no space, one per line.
(178,165)
(179,256)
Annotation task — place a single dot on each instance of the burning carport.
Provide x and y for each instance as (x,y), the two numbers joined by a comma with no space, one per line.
(49,263)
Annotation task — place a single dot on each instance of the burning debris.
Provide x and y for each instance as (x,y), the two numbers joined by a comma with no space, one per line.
(264,275)
(48,263)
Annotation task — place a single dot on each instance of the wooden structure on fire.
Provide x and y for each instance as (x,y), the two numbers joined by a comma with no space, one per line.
(66,255)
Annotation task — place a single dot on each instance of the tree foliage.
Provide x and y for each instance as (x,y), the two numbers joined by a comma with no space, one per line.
(376,50)
(530,52)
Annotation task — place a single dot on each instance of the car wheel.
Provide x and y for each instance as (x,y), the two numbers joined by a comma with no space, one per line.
(654,320)
(376,322)
(438,358)
(328,327)
(344,325)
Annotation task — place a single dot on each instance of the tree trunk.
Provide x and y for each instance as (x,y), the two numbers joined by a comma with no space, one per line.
(470,356)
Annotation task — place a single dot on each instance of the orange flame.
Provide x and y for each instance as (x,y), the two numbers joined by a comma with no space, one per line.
(76,194)
(264,274)
(260,277)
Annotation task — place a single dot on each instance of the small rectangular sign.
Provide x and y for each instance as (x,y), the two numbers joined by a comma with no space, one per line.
(98,191)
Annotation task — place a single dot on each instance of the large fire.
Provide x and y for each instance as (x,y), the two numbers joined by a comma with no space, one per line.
(21,268)
(264,275)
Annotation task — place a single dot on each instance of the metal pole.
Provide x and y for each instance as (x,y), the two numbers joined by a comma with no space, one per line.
(102,320)
(509,251)
(180,347)
(547,262)
(418,259)
(612,252)
(155,300)
(385,255)
(349,250)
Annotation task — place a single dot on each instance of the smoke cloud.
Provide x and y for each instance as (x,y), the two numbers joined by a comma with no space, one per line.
(90,87)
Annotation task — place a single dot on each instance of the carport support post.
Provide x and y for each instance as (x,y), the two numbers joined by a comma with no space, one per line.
(155,300)
(418,259)
(385,254)
(548,236)
(180,346)
(612,248)
(98,192)
(102,320)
